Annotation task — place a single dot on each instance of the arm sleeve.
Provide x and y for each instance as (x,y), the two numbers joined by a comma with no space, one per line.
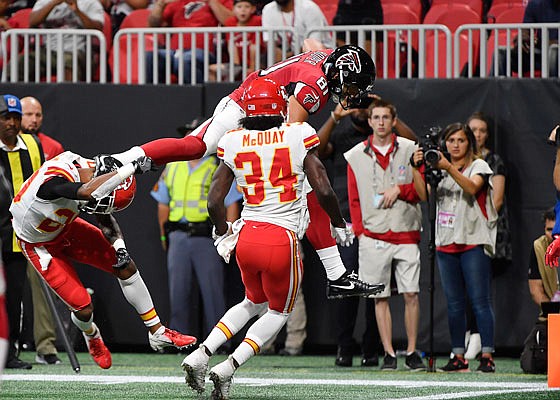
(57,187)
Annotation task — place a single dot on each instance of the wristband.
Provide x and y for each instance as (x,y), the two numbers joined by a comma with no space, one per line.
(163,238)
(336,121)
(126,171)
(118,244)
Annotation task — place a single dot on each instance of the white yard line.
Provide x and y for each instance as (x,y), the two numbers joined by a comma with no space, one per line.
(114,379)
(479,393)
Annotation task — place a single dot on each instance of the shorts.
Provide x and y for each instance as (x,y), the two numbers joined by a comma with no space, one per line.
(376,260)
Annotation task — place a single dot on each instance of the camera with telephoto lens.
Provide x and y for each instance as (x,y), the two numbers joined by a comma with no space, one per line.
(429,143)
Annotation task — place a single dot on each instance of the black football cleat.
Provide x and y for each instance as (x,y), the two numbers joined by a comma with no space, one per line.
(349,285)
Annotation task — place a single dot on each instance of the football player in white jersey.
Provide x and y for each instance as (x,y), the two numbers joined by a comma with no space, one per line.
(51,235)
(269,160)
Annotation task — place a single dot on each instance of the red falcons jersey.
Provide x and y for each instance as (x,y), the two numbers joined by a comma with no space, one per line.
(268,166)
(302,76)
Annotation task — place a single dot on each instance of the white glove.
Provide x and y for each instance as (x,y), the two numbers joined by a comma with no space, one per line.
(343,236)
(303,222)
(217,238)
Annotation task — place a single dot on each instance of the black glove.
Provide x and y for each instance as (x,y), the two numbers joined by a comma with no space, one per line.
(144,164)
(123,258)
(105,163)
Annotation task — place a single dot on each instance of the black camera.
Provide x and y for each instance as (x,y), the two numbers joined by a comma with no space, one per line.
(429,143)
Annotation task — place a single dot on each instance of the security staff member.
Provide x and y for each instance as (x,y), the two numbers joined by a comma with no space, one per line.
(21,155)
(186,232)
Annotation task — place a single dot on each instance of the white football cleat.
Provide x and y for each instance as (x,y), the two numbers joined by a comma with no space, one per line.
(222,376)
(195,366)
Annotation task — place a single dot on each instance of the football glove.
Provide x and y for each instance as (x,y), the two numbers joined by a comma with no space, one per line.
(343,236)
(143,164)
(217,238)
(123,258)
(105,163)
(552,253)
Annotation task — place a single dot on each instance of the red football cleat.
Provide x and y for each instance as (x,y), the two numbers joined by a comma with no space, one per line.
(99,352)
(165,337)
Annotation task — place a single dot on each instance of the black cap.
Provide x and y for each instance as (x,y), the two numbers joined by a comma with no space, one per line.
(190,126)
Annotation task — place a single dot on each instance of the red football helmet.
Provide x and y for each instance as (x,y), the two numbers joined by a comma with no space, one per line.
(263,96)
(117,200)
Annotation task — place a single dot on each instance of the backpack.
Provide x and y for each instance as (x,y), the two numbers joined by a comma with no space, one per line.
(534,357)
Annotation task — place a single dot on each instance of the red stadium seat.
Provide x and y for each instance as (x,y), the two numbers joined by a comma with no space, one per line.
(452,15)
(475,5)
(329,8)
(506,13)
(398,13)
(136,19)
(414,5)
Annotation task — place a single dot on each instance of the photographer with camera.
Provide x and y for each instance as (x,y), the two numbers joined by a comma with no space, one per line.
(386,218)
(465,237)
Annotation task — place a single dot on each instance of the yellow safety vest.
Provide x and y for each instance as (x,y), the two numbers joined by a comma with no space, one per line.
(36,156)
(188,190)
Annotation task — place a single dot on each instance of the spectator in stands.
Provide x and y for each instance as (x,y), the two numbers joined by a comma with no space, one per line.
(479,124)
(543,281)
(4,24)
(185,14)
(65,14)
(465,240)
(243,15)
(358,12)
(302,15)
(44,330)
(119,9)
(537,11)
(386,218)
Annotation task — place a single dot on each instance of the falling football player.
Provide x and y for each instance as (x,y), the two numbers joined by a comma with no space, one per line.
(51,236)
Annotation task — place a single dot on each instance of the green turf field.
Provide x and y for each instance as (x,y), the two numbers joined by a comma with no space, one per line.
(158,376)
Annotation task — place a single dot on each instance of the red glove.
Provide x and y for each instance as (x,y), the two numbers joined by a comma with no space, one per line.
(552,253)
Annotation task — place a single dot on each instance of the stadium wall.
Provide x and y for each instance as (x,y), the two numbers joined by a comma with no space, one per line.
(92,119)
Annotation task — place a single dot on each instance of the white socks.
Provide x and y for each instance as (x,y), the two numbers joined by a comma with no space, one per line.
(330,257)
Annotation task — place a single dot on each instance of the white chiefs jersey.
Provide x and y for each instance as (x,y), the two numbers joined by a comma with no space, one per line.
(268,166)
(36,220)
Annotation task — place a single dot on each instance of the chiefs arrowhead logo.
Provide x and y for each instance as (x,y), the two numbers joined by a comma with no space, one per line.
(350,60)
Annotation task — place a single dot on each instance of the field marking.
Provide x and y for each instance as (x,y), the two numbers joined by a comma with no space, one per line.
(480,393)
(119,379)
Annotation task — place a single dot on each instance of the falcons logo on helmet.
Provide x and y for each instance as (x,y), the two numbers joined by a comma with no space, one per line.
(350,60)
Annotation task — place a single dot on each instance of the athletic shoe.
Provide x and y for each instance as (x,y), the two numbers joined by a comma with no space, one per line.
(222,376)
(195,366)
(389,363)
(99,352)
(349,285)
(49,359)
(486,365)
(370,361)
(474,347)
(343,358)
(456,365)
(16,363)
(165,337)
(414,362)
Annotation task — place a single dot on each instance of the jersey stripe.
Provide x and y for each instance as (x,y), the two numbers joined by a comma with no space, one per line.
(57,171)
(311,141)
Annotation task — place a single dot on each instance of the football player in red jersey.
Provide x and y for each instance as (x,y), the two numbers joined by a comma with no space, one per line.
(346,73)
(45,220)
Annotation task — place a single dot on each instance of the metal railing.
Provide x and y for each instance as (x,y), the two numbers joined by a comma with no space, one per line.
(156,55)
(499,53)
(53,55)
(141,52)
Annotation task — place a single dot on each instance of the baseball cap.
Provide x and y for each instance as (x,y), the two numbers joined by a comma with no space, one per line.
(10,103)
